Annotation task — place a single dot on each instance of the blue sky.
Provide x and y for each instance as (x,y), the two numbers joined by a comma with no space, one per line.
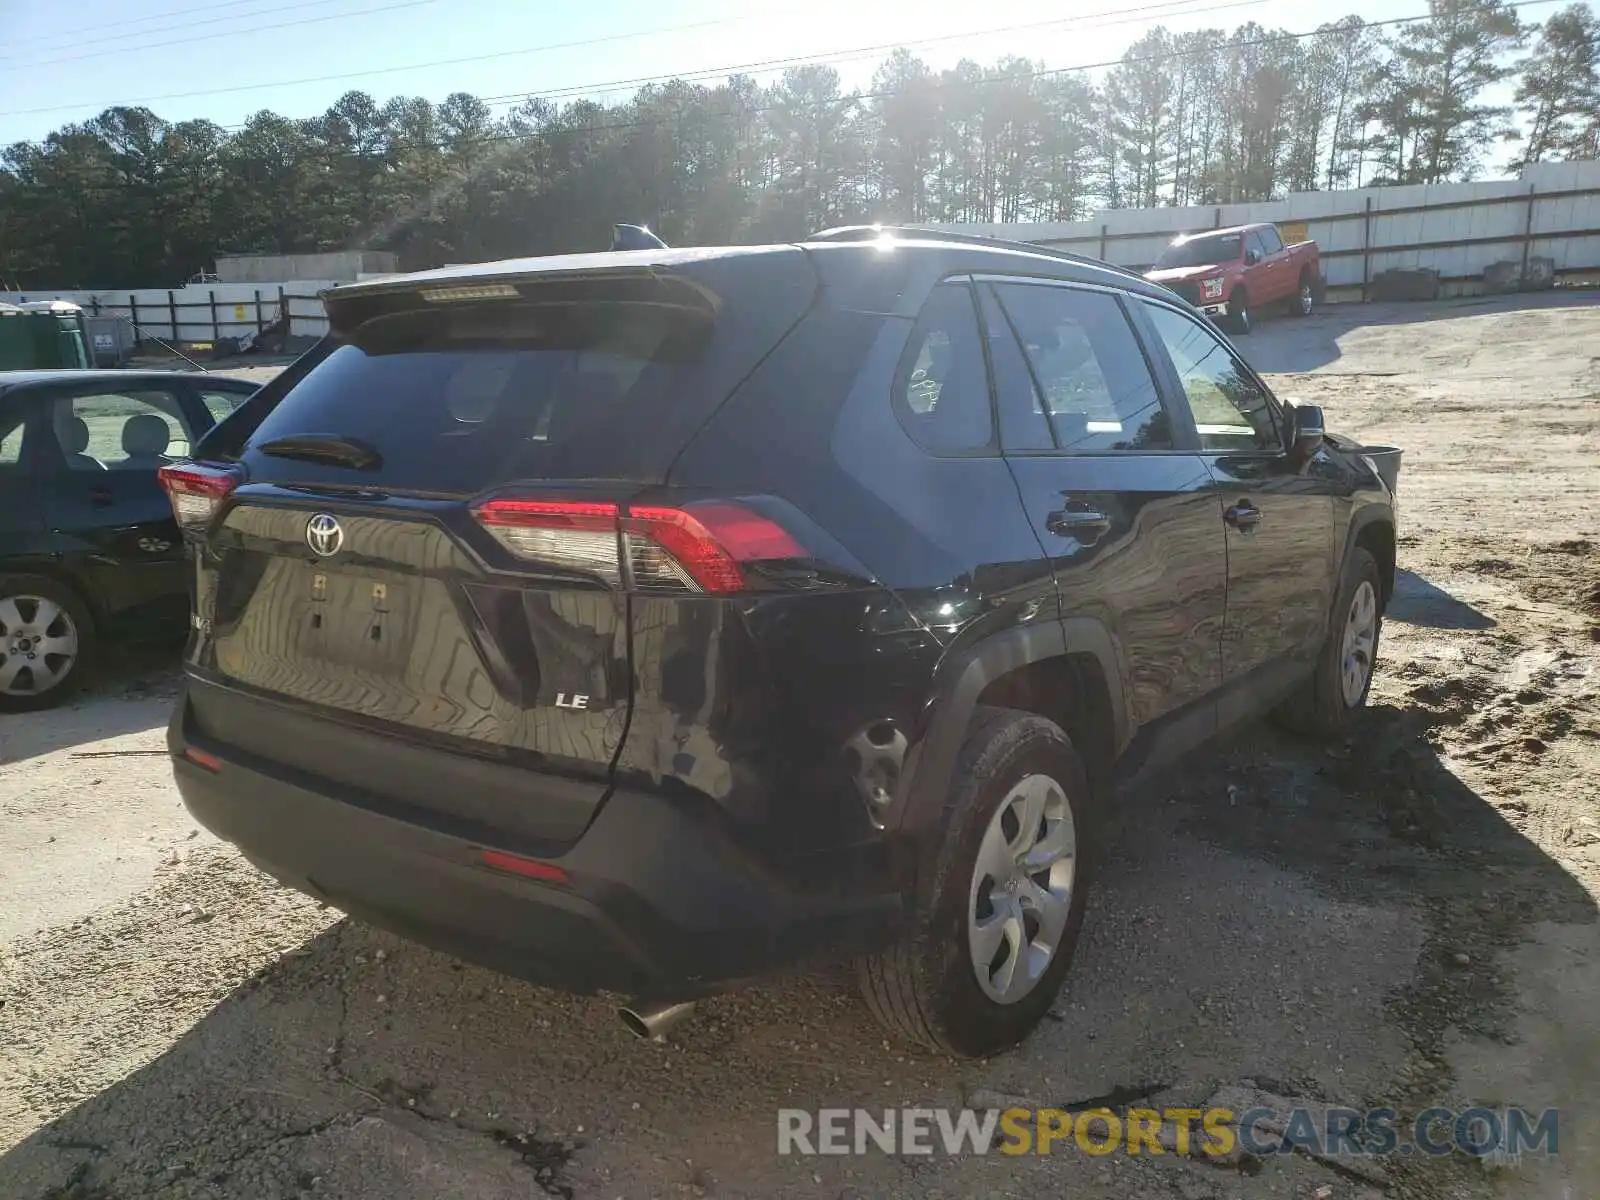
(229,58)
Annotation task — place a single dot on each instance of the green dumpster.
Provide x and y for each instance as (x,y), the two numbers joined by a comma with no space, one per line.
(44,334)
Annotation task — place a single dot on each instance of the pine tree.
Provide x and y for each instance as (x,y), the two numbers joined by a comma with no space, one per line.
(1433,126)
(1560,89)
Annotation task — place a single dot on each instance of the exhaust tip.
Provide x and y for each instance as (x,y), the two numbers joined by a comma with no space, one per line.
(649,1023)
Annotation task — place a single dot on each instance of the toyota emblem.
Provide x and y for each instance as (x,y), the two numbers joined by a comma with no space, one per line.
(324,535)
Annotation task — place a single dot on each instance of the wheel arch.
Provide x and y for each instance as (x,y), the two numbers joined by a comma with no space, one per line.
(1375,533)
(57,572)
(1067,671)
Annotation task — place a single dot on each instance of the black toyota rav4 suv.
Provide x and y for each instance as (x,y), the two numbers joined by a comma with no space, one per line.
(654,620)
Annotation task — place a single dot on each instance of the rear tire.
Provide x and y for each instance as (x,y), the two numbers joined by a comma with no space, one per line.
(1343,677)
(1304,301)
(47,643)
(1239,318)
(1001,903)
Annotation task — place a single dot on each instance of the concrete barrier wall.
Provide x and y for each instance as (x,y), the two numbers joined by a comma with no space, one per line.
(201,313)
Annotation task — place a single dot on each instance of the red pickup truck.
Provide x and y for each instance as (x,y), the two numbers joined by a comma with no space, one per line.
(1233,273)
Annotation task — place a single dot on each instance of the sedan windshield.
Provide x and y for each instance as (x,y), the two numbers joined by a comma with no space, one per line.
(1200,252)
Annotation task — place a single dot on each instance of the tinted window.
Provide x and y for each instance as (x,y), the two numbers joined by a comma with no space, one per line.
(120,431)
(1092,379)
(1023,423)
(943,393)
(11,430)
(1231,410)
(222,404)
(1271,243)
(464,399)
(1202,251)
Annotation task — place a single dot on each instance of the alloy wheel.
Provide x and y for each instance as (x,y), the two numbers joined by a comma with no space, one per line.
(1021,890)
(1360,640)
(39,645)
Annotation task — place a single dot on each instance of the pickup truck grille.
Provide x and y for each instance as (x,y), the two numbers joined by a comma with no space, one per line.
(1189,291)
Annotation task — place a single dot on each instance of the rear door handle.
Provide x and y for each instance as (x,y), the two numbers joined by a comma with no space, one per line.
(1086,525)
(1243,516)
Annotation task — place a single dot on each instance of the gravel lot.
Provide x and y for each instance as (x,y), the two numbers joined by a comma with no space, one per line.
(1406,919)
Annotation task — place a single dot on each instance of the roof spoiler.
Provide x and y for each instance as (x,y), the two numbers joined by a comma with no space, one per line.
(635,237)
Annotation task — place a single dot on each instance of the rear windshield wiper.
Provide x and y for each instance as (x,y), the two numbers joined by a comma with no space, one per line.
(332,448)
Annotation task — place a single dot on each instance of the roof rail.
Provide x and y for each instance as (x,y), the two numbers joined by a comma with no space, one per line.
(868,233)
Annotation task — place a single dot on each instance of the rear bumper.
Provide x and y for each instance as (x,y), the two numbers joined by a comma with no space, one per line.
(659,903)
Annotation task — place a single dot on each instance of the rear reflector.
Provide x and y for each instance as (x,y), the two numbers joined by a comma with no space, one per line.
(529,868)
(195,490)
(697,548)
(201,759)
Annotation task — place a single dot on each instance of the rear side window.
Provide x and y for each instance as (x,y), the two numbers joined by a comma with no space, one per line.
(120,431)
(460,400)
(942,395)
(11,429)
(1089,375)
(222,404)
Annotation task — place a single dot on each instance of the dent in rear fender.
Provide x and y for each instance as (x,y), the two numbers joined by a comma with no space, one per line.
(932,761)
(764,707)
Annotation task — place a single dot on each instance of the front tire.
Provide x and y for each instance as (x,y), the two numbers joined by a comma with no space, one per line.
(1343,677)
(46,642)
(1001,904)
(1239,318)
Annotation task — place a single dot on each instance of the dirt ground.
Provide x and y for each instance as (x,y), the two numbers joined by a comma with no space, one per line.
(1407,918)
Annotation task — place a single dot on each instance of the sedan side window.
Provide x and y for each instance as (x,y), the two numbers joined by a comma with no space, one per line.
(11,430)
(1231,410)
(942,396)
(120,431)
(222,404)
(1090,377)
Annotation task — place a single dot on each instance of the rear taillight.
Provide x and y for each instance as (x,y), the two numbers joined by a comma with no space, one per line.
(701,547)
(697,548)
(196,489)
(576,535)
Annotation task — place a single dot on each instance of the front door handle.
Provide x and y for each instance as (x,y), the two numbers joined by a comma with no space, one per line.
(1243,516)
(1085,525)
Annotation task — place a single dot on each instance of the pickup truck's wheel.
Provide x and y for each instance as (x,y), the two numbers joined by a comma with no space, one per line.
(1002,900)
(1343,674)
(1305,301)
(1239,312)
(46,642)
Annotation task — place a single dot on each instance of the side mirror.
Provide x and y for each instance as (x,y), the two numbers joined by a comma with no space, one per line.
(1252,257)
(1305,430)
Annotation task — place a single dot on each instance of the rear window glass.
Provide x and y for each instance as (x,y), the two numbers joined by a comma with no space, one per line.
(459,400)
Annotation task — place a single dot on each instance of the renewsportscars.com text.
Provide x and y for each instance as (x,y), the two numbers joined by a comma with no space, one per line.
(1216,1132)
